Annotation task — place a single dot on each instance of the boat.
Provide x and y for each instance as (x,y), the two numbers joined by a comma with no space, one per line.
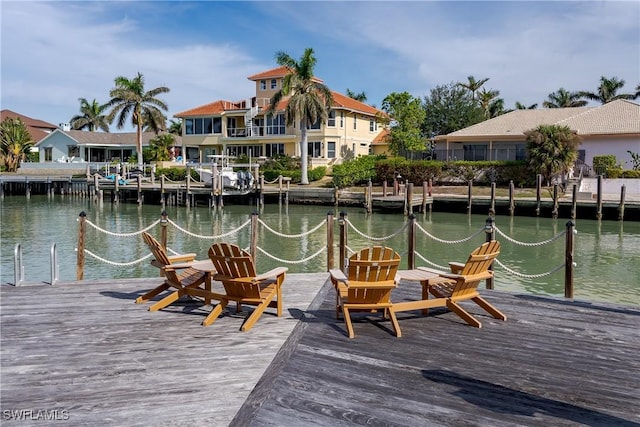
(241,180)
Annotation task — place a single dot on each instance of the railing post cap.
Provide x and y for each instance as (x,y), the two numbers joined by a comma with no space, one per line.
(83,214)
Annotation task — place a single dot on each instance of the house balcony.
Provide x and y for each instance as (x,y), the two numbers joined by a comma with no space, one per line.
(253,132)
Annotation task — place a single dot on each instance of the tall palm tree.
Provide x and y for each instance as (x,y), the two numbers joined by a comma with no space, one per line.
(607,91)
(309,100)
(490,105)
(154,122)
(362,96)
(473,85)
(129,97)
(91,116)
(15,143)
(552,149)
(562,98)
(175,127)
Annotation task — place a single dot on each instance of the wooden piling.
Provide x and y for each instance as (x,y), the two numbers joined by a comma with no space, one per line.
(411,240)
(568,261)
(554,212)
(492,208)
(623,190)
(469,195)
(329,240)
(538,188)
(599,199)
(574,201)
(81,240)
(512,204)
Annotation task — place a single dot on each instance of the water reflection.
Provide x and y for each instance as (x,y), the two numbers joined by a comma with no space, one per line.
(607,253)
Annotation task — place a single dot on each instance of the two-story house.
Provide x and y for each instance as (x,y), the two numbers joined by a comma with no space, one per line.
(244,127)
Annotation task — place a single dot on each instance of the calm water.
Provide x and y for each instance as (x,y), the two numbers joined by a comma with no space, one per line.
(607,253)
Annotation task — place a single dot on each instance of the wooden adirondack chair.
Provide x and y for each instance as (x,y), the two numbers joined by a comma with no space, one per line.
(370,278)
(236,270)
(182,278)
(461,284)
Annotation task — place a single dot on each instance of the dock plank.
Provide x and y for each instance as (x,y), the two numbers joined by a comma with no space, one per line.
(88,349)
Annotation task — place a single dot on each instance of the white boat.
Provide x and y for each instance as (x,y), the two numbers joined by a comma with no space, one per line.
(231,180)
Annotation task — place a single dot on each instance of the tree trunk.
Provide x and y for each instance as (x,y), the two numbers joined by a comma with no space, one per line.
(139,148)
(304,178)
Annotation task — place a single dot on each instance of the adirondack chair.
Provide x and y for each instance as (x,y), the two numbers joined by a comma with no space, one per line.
(236,270)
(461,284)
(178,273)
(370,277)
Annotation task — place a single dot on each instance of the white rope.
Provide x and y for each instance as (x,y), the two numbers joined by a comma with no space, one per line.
(377,239)
(291,236)
(528,276)
(119,264)
(544,242)
(220,236)
(289,261)
(272,182)
(110,233)
(429,262)
(450,242)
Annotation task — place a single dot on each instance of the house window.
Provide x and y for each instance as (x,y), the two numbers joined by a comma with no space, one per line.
(217,125)
(274,150)
(274,84)
(48,154)
(275,125)
(73,151)
(332,118)
(475,152)
(341,119)
(314,149)
(207,125)
(198,129)
(331,150)
(315,126)
(263,85)
(355,121)
(373,125)
(188,126)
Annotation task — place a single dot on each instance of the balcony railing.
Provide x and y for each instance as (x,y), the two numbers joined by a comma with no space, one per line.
(256,131)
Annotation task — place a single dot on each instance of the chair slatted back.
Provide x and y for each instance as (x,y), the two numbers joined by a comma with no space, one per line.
(233,263)
(377,266)
(162,260)
(373,264)
(477,268)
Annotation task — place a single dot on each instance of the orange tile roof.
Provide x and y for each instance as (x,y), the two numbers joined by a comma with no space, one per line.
(381,138)
(275,73)
(342,101)
(211,109)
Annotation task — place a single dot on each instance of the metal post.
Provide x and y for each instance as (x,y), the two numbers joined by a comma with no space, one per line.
(411,256)
(18,267)
(343,240)
(490,235)
(568,261)
(55,270)
(329,240)
(80,253)
(253,246)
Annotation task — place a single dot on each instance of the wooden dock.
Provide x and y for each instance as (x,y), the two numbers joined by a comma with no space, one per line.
(87,351)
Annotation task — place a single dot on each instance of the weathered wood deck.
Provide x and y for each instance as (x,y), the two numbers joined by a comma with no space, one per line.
(88,349)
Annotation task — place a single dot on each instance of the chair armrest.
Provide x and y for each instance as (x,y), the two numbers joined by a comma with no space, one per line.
(278,271)
(182,258)
(337,274)
(469,277)
(456,267)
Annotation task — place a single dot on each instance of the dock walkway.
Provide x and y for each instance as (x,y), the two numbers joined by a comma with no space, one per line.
(86,350)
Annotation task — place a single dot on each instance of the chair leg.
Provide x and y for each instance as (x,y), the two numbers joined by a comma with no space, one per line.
(394,322)
(489,308)
(456,308)
(347,321)
(253,318)
(152,293)
(215,313)
(175,296)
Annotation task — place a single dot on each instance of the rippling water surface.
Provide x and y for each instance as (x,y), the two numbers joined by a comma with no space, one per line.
(607,253)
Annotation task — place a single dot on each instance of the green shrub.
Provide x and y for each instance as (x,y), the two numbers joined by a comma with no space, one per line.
(601,164)
(176,174)
(630,174)
(354,172)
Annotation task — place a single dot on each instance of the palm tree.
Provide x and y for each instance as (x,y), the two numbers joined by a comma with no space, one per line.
(309,100)
(175,127)
(607,91)
(490,105)
(473,85)
(552,149)
(15,143)
(362,96)
(91,117)
(154,122)
(159,147)
(562,98)
(521,106)
(129,97)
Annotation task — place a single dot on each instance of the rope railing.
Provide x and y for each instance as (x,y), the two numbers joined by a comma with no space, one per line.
(490,229)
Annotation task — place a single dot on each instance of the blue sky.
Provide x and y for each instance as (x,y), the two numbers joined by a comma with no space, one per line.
(53,53)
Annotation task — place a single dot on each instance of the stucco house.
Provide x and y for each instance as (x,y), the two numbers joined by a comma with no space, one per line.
(612,128)
(243,127)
